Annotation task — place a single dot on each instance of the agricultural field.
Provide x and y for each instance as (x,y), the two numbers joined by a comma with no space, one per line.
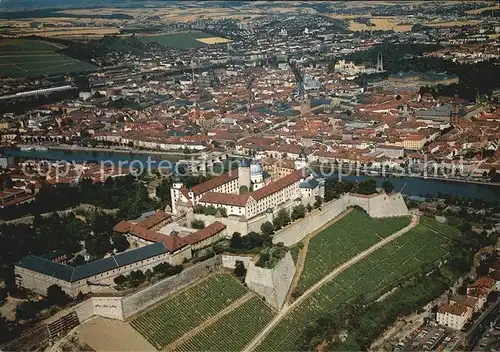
(182,312)
(181,40)
(343,240)
(422,246)
(233,331)
(24,58)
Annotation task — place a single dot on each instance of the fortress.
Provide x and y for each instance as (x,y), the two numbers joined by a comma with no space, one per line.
(248,192)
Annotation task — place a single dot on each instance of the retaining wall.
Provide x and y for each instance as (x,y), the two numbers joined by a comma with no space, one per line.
(377,206)
(272,284)
(121,308)
(229,261)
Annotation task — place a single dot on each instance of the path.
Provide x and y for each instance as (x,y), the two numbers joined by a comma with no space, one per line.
(301,258)
(173,346)
(259,338)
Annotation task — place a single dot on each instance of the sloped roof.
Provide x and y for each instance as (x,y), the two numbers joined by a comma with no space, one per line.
(215,182)
(71,274)
(46,267)
(237,200)
(205,233)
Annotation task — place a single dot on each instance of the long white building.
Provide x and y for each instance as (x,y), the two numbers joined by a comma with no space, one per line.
(224,191)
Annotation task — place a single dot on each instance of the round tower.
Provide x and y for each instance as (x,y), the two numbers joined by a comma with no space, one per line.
(244,178)
(175,192)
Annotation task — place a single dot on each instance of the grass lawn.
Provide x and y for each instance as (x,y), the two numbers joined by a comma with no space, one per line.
(182,40)
(24,58)
(424,245)
(343,240)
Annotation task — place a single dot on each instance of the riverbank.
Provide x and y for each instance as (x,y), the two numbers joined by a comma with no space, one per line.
(69,147)
(391,176)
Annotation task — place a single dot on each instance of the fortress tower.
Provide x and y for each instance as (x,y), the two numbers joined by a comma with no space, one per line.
(175,192)
(244,177)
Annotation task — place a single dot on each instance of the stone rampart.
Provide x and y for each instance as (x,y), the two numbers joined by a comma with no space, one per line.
(272,284)
(377,206)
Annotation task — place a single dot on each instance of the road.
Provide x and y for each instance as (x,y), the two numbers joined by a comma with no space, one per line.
(287,308)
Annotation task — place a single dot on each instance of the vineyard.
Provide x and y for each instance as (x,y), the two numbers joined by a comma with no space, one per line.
(343,240)
(182,312)
(404,257)
(233,331)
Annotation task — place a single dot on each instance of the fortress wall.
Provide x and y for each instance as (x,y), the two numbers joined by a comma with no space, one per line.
(84,310)
(384,205)
(283,274)
(108,307)
(299,229)
(260,280)
(143,299)
(229,261)
(272,284)
(377,206)
(233,224)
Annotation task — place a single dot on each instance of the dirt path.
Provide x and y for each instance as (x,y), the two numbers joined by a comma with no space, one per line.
(208,322)
(259,338)
(301,258)
(103,334)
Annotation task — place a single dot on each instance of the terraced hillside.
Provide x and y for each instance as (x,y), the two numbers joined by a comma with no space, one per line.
(233,331)
(180,313)
(426,244)
(343,240)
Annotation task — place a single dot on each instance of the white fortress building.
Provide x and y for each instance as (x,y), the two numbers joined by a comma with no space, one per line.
(249,191)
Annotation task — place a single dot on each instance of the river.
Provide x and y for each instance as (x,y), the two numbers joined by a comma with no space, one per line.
(417,186)
(91,155)
(413,186)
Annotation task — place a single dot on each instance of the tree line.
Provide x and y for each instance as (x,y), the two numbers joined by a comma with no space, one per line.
(124,193)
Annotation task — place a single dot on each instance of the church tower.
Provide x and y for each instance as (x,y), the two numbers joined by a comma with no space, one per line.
(301,161)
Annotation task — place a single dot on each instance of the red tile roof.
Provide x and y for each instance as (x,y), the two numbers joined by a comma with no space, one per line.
(123,226)
(278,185)
(154,220)
(237,200)
(207,232)
(215,182)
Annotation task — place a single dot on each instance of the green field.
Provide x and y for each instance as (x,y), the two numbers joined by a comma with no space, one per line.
(181,40)
(24,58)
(372,276)
(180,313)
(233,331)
(349,236)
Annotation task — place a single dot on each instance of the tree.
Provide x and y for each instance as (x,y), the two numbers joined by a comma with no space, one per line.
(120,279)
(298,212)
(309,207)
(197,224)
(267,229)
(367,187)
(236,241)
(27,310)
(387,186)
(243,189)
(239,269)
(466,227)
(120,242)
(318,203)
(277,223)
(284,216)
(136,278)
(56,296)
